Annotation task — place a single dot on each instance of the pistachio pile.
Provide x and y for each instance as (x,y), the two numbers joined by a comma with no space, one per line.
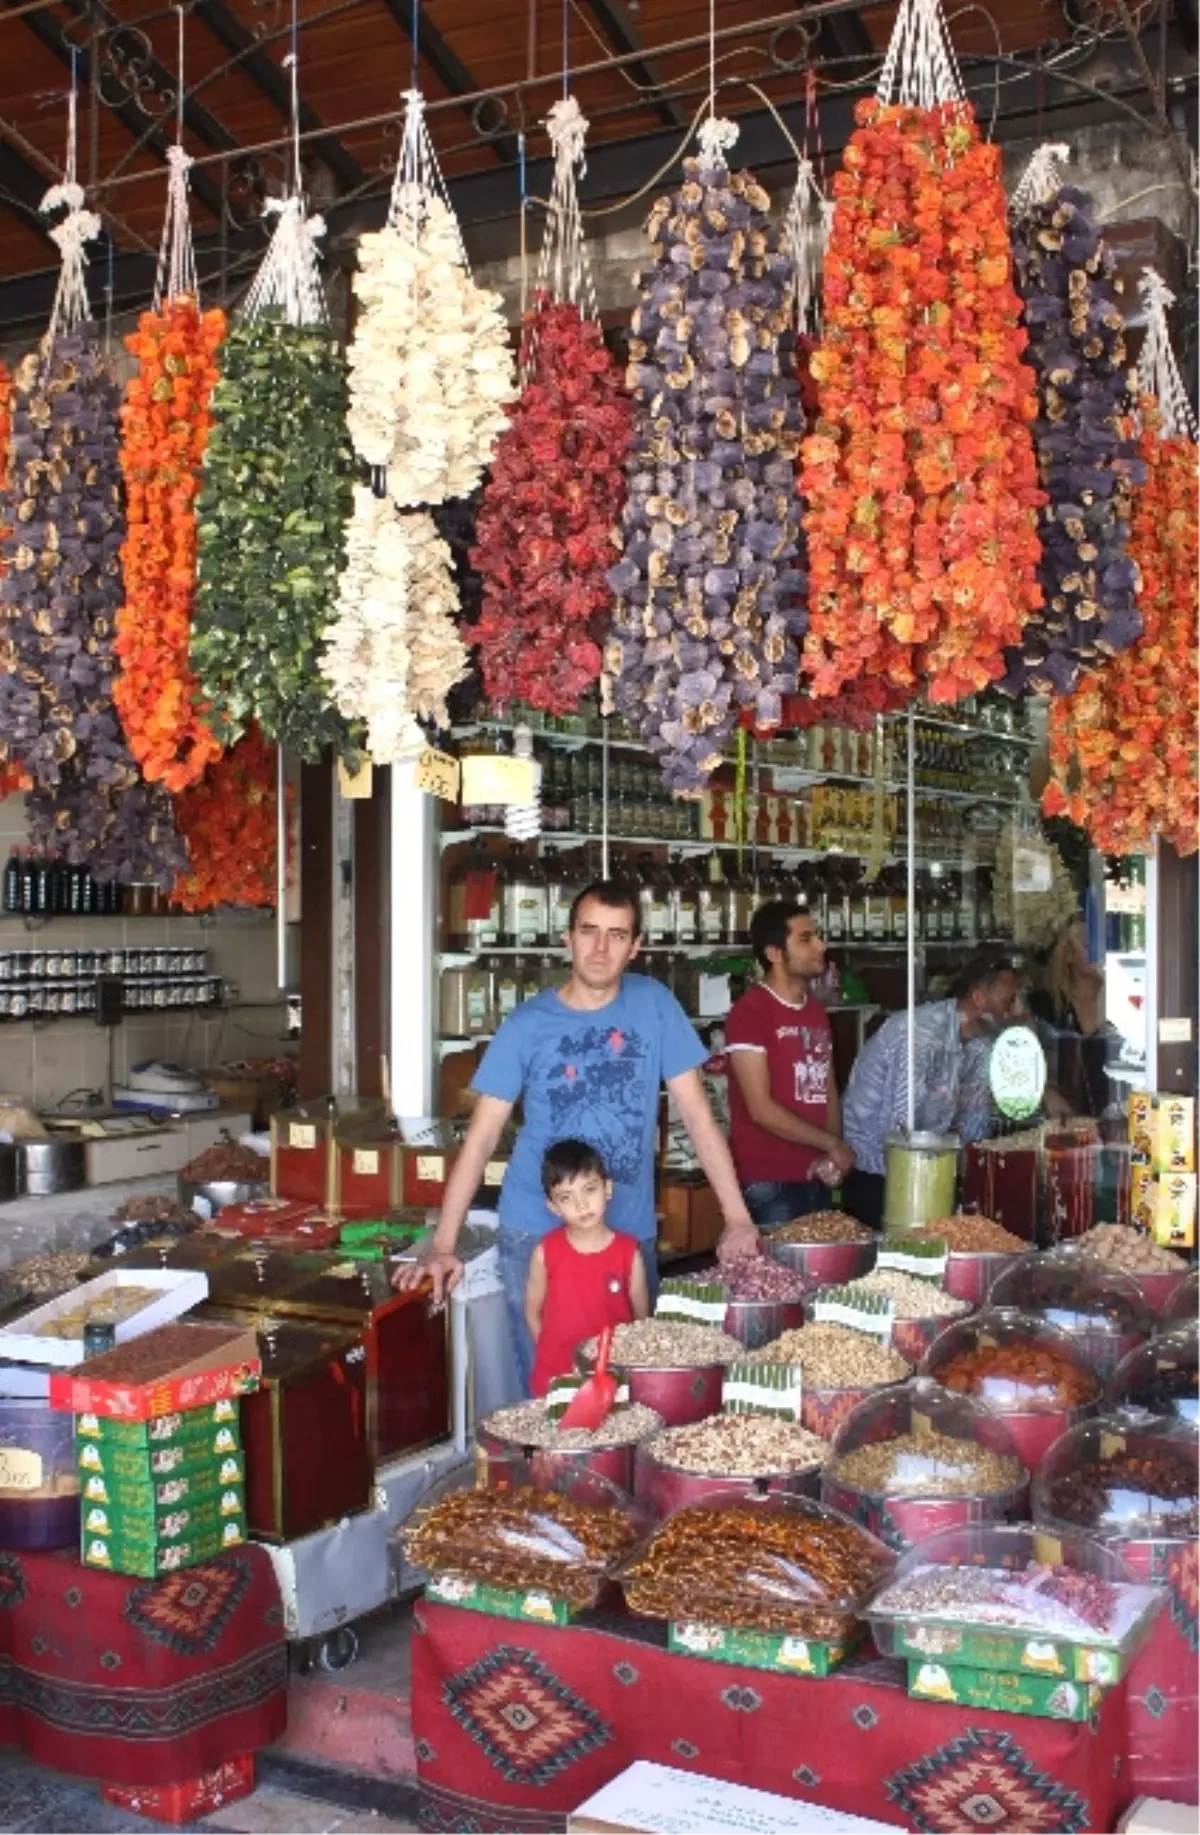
(738,1446)
(528,1424)
(668,1344)
(835,1357)
(913,1298)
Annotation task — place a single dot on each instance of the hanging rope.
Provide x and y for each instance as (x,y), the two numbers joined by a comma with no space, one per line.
(806,227)
(78,227)
(289,278)
(715,138)
(1040,179)
(564,273)
(176,272)
(419,178)
(920,69)
(1158,371)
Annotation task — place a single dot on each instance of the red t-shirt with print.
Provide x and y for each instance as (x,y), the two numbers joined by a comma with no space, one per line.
(798,1046)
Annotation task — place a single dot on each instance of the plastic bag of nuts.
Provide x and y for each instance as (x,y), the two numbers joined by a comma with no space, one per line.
(775,1563)
(501,1530)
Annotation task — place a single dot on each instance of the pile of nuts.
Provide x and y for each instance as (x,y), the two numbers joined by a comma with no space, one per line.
(521,1537)
(528,1424)
(46,1276)
(227,1163)
(965,1234)
(754,1277)
(913,1298)
(822,1226)
(787,1570)
(1129,1250)
(927,1465)
(1151,1493)
(738,1446)
(667,1344)
(1056,1601)
(1013,1377)
(835,1357)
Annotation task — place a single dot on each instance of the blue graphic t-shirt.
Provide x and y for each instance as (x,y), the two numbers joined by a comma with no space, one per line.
(593,1077)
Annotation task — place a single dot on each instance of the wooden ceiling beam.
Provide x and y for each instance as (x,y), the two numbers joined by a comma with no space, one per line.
(273,83)
(622,34)
(450,71)
(22,188)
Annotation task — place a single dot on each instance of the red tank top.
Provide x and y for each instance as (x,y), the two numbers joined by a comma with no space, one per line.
(584,1293)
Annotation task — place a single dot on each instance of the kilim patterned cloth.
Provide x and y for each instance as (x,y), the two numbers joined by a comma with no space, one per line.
(515,1725)
(1164,1724)
(140,1681)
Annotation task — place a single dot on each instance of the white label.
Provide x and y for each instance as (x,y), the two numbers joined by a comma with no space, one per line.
(925,1267)
(747,1389)
(437,773)
(1174,1031)
(20,1469)
(710,923)
(508,995)
(302,1134)
(431,1168)
(685,923)
(366,1160)
(656,926)
(840,1312)
(494,1171)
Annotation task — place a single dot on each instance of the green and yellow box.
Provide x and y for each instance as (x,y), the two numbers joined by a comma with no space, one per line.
(958,1647)
(142,1495)
(132,1465)
(150,1559)
(1047,1697)
(775,1650)
(156,1525)
(530,1604)
(214,1422)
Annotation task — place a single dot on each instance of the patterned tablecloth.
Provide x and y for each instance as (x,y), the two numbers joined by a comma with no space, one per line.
(140,1681)
(515,1725)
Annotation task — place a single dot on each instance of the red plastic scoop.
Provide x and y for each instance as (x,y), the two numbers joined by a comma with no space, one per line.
(592,1403)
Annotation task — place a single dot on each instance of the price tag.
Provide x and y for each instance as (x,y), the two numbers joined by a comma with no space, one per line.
(926,1260)
(438,773)
(494,1171)
(366,1160)
(766,1389)
(20,1469)
(862,1312)
(302,1134)
(431,1168)
(921,1425)
(355,786)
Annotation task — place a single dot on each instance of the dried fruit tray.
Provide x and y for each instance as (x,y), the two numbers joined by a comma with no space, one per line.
(37,1337)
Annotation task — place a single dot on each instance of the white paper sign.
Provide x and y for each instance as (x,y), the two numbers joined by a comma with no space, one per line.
(845,1312)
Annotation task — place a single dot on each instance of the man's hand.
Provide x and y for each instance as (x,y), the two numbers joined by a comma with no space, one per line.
(441,1266)
(842,1154)
(738,1242)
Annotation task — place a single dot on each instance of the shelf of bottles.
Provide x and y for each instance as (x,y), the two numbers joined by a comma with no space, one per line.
(820,808)
(38,887)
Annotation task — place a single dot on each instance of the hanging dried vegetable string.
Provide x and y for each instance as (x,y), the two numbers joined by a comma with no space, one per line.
(919,478)
(276,494)
(710,598)
(12,778)
(165,424)
(229,823)
(1085,437)
(1123,746)
(430,371)
(544,530)
(62,589)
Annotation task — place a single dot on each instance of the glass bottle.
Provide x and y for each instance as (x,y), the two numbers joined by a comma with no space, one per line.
(710,903)
(837,917)
(507,977)
(857,910)
(12,881)
(524,902)
(685,898)
(654,901)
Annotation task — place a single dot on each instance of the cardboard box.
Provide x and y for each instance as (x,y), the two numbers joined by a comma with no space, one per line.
(691,1218)
(533,1606)
(207,1432)
(1162,1131)
(188,1801)
(149,1560)
(648,1799)
(148,1523)
(1044,1696)
(1164,1205)
(1011,1652)
(200,1364)
(793,1656)
(148,1492)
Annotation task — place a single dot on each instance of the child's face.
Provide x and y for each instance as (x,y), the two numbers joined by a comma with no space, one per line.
(581,1202)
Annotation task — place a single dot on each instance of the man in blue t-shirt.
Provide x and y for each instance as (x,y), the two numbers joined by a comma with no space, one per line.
(586,1062)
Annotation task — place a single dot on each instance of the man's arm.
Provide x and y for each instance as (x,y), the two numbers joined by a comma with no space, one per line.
(739,1236)
(754,1081)
(639,1288)
(843,1154)
(439,1261)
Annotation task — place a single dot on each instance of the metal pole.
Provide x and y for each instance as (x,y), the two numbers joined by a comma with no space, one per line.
(911,944)
(604,799)
(280,871)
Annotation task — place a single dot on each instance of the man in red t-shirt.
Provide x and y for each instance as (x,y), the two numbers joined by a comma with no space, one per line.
(784,1113)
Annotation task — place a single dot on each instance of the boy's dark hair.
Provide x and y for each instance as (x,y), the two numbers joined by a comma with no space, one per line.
(980,972)
(769,927)
(567,1160)
(615,895)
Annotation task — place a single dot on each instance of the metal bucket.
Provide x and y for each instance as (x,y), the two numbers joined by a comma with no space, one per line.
(757,1322)
(662,1488)
(970,1273)
(824,1264)
(548,1464)
(1157,1288)
(52,1166)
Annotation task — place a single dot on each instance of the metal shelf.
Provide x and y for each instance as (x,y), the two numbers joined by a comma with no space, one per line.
(448,837)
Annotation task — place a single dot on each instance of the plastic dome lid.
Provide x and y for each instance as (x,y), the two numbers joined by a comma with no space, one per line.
(1012,1361)
(1162,1376)
(1184,1304)
(1125,1475)
(919,1440)
(1074,1292)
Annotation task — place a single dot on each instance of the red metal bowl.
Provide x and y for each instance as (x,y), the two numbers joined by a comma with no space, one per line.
(757,1322)
(689,1392)
(913,1337)
(662,1488)
(1157,1289)
(824,1264)
(969,1274)
(547,1463)
(1034,1433)
(902,1521)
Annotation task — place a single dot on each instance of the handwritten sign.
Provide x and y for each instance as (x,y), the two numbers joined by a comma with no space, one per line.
(355,786)
(437,773)
(302,1134)
(366,1160)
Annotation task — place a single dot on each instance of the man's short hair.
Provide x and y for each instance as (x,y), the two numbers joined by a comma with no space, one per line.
(981,972)
(769,927)
(569,1160)
(616,896)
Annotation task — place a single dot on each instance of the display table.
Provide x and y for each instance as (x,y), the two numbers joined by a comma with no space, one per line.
(140,1681)
(514,1725)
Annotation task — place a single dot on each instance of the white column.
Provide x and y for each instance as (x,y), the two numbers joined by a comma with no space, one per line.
(413,920)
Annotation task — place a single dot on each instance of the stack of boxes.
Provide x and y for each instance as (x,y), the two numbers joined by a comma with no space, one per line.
(161,1494)
(1162,1134)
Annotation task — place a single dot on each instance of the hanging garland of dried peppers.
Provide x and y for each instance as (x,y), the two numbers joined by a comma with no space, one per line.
(228,824)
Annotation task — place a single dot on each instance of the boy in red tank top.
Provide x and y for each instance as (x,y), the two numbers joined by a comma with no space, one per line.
(583,1276)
